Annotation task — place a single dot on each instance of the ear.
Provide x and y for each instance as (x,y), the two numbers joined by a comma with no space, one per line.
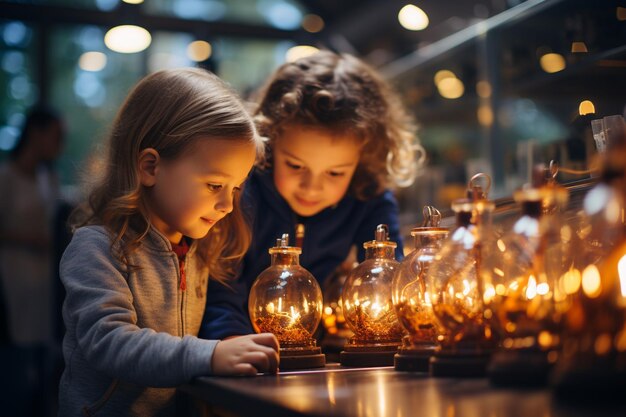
(148,164)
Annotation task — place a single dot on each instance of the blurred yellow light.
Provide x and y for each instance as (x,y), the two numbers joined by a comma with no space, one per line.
(300,51)
(92,61)
(443,74)
(312,23)
(199,51)
(572,279)
(592,286)
(133,1)
(579,47)
(412,17)
(451,88)
(483,89)
(586,107)
(544,339)
(543,288)
(552,63)
(621,271)
(602,346)
(127,39)
(620,341)
(485,115)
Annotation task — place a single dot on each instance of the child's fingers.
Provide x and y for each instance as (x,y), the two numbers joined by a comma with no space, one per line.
(267,339)
(272,357)
(259,360)
(245,369)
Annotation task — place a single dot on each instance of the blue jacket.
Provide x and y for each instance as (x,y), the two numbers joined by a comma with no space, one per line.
(328,237)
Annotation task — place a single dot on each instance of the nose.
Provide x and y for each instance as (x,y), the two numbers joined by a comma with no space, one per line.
(225,202)
(311,182)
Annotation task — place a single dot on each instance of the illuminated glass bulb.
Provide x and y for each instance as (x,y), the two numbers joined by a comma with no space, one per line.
(368,306)
(592,363)
(458,288)
(412,296)
(526,268)
(286,300)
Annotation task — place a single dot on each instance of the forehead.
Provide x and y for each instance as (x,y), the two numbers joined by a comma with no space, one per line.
(322,145)
(228,157)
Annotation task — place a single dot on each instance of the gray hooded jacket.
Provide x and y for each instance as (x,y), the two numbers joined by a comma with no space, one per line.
(131,334)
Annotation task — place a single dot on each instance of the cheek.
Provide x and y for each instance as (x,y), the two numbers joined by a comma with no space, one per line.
(284,182)
(338,190)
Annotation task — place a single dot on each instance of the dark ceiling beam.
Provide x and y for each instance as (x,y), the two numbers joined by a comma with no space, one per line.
(133,15)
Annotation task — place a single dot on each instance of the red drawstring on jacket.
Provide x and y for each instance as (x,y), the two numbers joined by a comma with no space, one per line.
(181,251)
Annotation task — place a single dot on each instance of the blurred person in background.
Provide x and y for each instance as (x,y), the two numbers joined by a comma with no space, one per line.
(29,197)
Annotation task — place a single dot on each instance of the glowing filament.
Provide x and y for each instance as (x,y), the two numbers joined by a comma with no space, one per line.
(466,287)
(531,289)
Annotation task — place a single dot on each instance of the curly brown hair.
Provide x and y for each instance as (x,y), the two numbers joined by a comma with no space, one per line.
(341,93)
(168,111)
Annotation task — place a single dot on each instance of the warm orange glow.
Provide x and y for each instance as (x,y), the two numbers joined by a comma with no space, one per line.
(602,346)
(579,47)
(483,89)
(451,88)
(592,285)
(571,281)
(544,339)
(586,107)
(199,51)
(312,23)
(621,272)
(552,63)
(485,115)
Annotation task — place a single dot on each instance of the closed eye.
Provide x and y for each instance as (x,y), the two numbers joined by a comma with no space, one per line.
(214,187)
(293,166)
(336,173)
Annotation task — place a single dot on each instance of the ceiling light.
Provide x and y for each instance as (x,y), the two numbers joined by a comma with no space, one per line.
(92,61)
(579,47)
(443,74)
(300,51)
(199,51)
(127,39)
(451,88)
(552,62)
(412,17)
(586,107)
(312,23)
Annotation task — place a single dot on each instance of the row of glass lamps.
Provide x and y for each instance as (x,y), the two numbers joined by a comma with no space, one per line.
(546,299)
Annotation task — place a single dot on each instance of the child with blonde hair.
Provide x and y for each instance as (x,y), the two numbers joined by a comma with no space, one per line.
(136,269)
(338,141)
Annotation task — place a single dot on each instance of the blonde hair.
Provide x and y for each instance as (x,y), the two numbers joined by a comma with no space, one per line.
(168,111)
(343,94)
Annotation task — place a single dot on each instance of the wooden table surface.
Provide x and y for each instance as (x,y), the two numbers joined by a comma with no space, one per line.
(380,392)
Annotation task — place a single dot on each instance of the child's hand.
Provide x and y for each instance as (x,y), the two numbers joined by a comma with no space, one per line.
(246,355)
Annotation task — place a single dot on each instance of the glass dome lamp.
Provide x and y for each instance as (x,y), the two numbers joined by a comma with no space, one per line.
(286,300)
(592,363)
(524,268)
(336,330)
(458,288)
(368,306)
(412,296)
(599,223)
